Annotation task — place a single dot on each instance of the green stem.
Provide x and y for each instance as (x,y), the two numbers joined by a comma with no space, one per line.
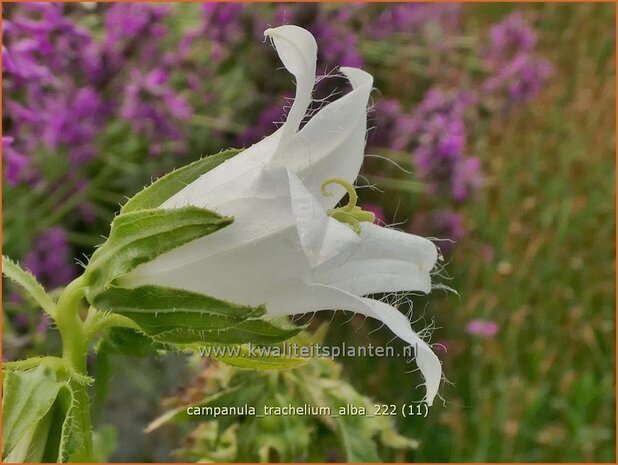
(74,351)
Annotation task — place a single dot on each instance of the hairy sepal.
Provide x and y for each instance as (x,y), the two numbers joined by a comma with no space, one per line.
(140,236)
(163,188)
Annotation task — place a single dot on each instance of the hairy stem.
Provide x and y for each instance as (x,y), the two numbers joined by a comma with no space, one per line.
(74,351)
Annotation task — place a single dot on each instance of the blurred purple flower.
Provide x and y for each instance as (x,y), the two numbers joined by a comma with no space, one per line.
(222,20)
(44,323)
(43,43)
(466,178)
(265,124)
(338,43)
(18,61)
(438,131)
(50,259)
(72,119)
(511,35)
(482,328)
(128,24)
(517,74)
(377,210)
(386,116)
(15,163)
(447,226)
(222,25)
(152,107)
(413,18)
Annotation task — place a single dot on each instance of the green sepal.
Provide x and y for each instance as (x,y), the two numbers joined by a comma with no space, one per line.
(141,236)
(166,186)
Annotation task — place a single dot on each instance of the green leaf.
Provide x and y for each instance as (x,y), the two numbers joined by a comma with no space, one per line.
(139,237)
(128,342)
(158,309)
(58,365)
(260,362)
(27,398)
(32,445)
(176,316)
(253,331)
(64,437)
(28,282)
(163,188)
(104,443)
(356,445)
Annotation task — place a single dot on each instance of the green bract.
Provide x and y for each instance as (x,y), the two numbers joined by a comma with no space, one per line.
(38,411)
(140,236)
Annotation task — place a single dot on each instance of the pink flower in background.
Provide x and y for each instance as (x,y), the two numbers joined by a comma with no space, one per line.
(482,328)
(50,258)
(377,211)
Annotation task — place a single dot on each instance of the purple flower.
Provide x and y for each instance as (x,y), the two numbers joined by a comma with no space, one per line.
(437,131)
(128,21)
(265,124)
(15,163)
(377,210)
(482,328)
(520,78)
(222,25)
(414,18)
(386,116)
(447,226)
(517,74)
(50,259)
(43,44)
(72,120)
(338,43)
(153,108)
(512,34)
(20,62)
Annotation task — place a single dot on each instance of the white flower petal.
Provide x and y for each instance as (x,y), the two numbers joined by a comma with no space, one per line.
(321,237)
(223,183)
(244,274)
(364,277)
(378,243)
(298,52)
(332,143)
(301,298)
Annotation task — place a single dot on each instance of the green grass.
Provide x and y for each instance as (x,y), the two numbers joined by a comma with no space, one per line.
(543,388)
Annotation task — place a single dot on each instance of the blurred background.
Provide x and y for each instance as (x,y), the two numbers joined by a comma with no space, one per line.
(492,130)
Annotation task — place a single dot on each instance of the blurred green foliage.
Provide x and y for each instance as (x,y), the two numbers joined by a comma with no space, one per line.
(539,259)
